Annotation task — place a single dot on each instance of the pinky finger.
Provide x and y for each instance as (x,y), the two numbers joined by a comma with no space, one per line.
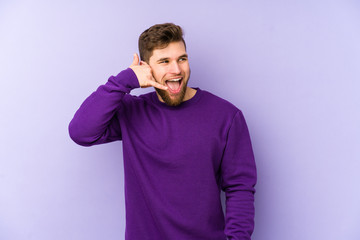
(158,85)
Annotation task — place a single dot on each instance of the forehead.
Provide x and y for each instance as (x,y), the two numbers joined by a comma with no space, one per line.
(173,50)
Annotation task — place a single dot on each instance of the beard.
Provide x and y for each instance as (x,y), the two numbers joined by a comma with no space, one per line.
(173,100)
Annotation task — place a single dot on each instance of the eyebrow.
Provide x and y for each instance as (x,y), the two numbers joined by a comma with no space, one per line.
(166,58)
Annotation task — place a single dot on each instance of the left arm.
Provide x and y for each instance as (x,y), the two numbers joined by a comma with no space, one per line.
(238,179)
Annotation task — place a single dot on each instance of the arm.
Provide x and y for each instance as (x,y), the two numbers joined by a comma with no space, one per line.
(96,121)
(238,178)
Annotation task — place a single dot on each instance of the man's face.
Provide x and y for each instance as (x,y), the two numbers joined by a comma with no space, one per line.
(170,67)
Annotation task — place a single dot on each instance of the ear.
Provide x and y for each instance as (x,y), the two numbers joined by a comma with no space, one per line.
(143,63)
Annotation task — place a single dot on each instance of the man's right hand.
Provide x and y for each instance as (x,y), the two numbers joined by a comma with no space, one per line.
(144,74)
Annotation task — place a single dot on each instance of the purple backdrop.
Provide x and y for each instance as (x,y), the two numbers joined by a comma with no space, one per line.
(291,66)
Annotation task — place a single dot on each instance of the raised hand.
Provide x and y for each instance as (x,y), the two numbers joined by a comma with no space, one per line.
(144,74)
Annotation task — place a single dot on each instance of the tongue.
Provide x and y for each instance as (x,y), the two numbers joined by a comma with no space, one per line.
(173,85)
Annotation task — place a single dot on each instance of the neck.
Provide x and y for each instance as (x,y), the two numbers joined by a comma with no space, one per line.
(190,93)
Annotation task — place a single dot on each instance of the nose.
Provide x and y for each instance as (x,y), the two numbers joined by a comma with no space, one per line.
(175,68)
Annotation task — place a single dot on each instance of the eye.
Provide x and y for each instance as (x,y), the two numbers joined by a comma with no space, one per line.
(164,61)
(183,59)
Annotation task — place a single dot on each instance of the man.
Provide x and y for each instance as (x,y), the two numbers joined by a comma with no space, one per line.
(181,146)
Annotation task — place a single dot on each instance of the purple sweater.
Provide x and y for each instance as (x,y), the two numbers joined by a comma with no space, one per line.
(176,161)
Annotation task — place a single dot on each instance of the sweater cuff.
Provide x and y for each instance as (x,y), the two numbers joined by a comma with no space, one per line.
(128,79)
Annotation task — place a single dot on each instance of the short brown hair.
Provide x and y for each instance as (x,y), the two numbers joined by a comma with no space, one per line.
(158,36)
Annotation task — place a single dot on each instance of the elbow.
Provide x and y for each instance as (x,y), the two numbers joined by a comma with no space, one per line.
(77,136)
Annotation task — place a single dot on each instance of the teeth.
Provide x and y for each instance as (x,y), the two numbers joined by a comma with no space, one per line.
(175,80)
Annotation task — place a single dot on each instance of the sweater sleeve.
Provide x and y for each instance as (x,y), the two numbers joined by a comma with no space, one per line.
(96,121)
(238,179)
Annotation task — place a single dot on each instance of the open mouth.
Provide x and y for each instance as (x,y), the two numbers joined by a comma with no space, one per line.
(174,85)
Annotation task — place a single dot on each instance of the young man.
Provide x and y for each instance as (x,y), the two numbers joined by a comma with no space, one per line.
(181,146)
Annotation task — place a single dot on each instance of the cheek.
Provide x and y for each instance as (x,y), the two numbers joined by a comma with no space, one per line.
(159,74)
(186,68)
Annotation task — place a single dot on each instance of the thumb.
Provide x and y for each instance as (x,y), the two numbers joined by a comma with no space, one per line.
(136,59)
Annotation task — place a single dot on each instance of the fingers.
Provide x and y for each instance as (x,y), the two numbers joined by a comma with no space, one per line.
(135,60)
(157,85)
(144,74)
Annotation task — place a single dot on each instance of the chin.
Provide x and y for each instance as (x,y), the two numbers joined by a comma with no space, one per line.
(170,99)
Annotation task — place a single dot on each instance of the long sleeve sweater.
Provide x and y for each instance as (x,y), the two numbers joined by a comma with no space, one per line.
(176,161)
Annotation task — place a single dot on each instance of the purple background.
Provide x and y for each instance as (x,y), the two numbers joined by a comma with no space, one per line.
(291,66)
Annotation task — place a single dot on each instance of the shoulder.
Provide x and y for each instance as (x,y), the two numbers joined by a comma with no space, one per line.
(219,104)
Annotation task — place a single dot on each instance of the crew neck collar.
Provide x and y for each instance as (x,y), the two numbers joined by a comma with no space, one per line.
(184,104)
